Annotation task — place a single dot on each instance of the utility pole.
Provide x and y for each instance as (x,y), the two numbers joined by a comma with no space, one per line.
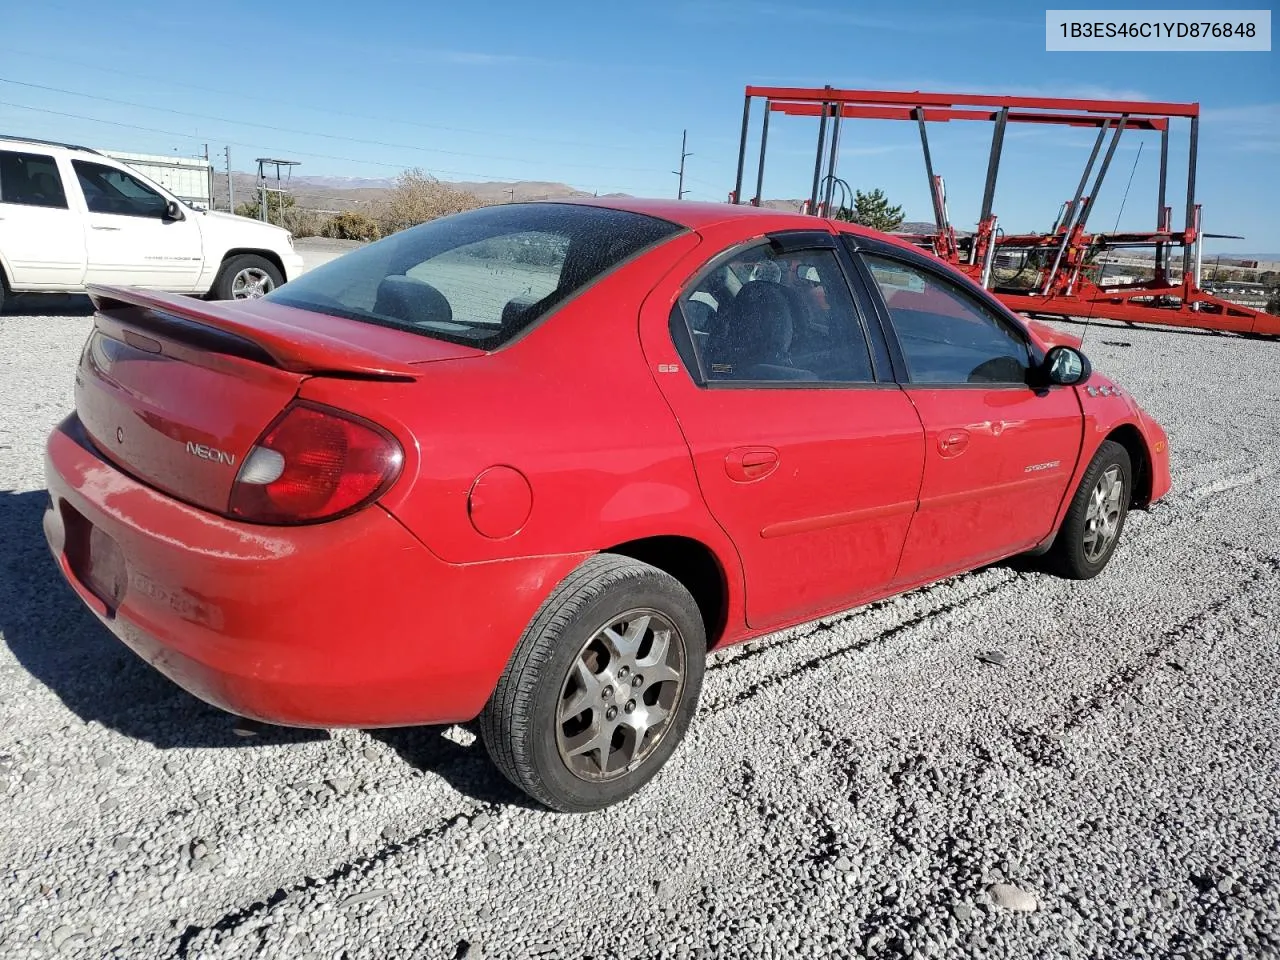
(680,190)
(208,173)
(512,191)
(231,190)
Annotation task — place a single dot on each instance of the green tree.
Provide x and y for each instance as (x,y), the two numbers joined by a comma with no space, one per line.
(872,210)
(1273,304)
(277,204)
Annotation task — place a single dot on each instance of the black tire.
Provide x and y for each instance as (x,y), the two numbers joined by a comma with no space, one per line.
(232,267)
(521,724)
(1072,555)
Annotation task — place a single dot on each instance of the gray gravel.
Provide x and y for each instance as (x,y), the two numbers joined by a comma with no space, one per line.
(873,784)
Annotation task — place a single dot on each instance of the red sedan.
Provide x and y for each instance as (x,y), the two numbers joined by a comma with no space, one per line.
(529,463)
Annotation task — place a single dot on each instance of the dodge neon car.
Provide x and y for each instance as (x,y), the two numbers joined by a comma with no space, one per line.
(528,464)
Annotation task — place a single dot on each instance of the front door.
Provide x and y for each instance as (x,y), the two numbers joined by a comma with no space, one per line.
(808,460)
(41,237)
(128,238)
(998,454)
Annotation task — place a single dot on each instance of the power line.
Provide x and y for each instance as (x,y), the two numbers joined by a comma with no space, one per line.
(305,153)
(306,133)
(275,104)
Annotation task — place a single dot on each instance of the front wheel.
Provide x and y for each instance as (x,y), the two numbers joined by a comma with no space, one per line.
(1095,519)
(601,687)
(246,277)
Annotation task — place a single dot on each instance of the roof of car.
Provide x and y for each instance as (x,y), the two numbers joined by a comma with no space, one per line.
(35,142)
(695,214)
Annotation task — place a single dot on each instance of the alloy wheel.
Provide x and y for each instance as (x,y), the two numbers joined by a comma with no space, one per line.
(251,283)
(1102,518)
(619,698)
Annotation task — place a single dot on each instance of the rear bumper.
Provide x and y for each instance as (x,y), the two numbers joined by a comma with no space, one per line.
(349,623)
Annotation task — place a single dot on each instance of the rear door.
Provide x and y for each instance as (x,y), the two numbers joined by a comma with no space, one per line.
(41,235)
(805,454)
(128,238)
(998,454)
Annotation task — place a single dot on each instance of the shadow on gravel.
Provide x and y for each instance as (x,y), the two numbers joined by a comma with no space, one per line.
(466,769)
(50,305)
(63,646)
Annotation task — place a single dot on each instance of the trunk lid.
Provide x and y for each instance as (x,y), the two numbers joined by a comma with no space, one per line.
(175,391)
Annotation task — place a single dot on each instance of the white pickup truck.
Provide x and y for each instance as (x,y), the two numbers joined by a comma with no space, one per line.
(70,216)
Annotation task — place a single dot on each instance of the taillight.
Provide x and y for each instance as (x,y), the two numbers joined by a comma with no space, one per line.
(314,463)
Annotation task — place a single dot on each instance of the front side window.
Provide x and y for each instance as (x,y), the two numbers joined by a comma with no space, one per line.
(477,278)
(108,190)
(765,316)
(30,179)
(947,336)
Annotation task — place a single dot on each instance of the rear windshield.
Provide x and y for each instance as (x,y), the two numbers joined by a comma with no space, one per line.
(476,278)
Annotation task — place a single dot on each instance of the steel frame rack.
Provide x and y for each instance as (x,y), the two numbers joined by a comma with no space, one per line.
(1063,286)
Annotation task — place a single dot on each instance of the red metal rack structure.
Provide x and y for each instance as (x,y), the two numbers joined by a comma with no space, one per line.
(1059,259)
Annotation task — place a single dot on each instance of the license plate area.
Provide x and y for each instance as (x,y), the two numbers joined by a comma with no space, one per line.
(94,558)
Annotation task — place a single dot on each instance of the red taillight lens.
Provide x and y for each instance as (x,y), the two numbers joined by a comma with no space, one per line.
(314,463)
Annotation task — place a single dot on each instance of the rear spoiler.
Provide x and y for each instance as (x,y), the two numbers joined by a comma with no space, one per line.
(221,327)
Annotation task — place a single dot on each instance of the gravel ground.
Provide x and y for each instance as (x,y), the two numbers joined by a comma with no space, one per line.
(320,250)
(865,785)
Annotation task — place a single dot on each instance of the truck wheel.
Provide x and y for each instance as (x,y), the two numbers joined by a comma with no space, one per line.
(246,277)
(600,688)
(1095,519)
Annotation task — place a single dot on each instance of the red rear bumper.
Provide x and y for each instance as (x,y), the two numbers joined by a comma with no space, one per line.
(349,623)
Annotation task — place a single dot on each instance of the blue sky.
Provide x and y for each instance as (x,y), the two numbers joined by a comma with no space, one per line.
(596,94)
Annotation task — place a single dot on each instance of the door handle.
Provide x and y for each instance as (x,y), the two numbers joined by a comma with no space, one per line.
(106,228)
(952,443)
(744,464)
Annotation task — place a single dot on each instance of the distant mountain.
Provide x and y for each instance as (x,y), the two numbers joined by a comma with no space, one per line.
(345,183)
(336,194)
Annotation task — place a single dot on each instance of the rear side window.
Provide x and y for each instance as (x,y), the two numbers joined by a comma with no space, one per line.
(31,179)
(477,278)
(763,316)
(108,190)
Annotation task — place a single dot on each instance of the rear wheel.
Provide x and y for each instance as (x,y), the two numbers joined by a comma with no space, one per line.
(246,277)
(601,687)
(1095,519)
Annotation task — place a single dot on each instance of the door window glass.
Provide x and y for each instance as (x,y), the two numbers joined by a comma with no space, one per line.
(31,179)
(947,336)
(764,316)
(108,190)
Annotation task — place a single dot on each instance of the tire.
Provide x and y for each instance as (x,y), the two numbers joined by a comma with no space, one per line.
(246,277)
(563,663)
(1078,552)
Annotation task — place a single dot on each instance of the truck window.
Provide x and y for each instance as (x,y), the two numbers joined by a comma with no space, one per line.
(30,179)
(108,190)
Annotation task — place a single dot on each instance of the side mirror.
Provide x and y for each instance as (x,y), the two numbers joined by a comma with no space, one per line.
(173,211)
(1065,367)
